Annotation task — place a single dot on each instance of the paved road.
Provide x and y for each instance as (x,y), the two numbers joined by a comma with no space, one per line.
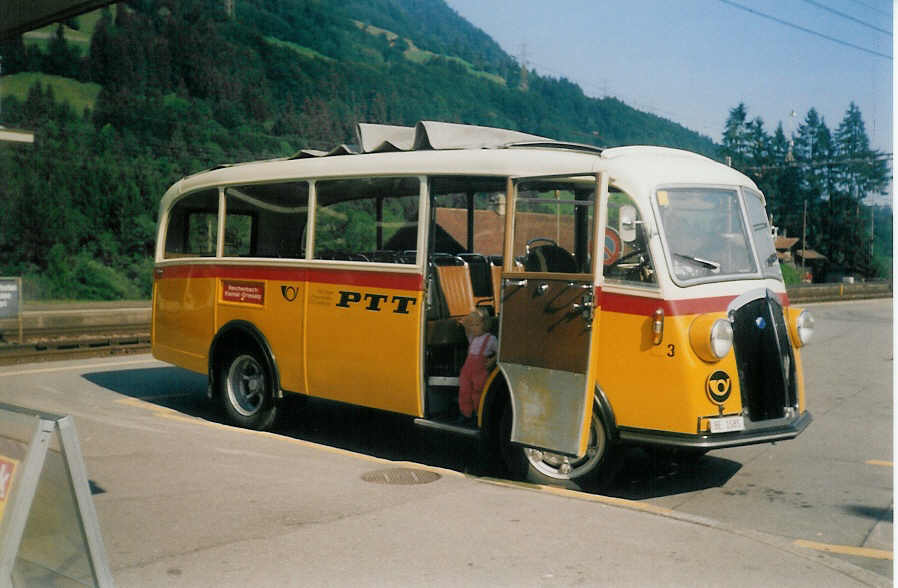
(184,500)
(832,485)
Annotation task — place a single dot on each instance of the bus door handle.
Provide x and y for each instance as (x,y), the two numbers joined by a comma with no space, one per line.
(518,283)
(584,308)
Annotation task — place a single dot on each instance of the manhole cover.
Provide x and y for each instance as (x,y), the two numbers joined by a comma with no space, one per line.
(401,476)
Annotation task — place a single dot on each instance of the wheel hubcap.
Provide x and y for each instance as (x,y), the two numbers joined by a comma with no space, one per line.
(246,385)
(563,467)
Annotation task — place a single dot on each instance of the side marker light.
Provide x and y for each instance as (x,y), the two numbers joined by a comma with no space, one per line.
(658,326)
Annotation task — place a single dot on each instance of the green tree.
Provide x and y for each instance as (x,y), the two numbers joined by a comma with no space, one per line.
(736,143)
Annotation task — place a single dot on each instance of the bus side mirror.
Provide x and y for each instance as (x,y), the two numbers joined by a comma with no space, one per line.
(627,228)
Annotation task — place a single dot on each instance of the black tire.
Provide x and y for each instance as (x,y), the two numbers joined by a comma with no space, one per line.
(594,471)
(246,390)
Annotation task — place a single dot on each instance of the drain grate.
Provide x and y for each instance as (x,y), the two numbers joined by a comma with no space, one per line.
(400,476)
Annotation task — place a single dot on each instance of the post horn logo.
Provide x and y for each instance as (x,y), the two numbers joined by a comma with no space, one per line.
(719,386)
(289,293)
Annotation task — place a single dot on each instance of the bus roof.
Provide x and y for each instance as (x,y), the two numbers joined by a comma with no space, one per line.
(435,148)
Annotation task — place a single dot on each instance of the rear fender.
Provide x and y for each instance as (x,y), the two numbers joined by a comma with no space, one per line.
(236,335)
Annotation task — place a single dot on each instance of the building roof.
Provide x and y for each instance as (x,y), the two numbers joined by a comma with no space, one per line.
(809,254)
(489,228)
(783,243)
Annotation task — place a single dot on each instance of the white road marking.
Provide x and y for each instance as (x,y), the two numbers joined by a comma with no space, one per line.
(80,366)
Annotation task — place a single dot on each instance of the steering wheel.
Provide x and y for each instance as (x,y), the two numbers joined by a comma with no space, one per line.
(551,242)
(624,258)
(624,268)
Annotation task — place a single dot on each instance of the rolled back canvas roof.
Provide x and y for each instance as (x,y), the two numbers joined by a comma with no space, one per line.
(377,138)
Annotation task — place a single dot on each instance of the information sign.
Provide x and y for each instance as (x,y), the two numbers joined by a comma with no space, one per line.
(10,297)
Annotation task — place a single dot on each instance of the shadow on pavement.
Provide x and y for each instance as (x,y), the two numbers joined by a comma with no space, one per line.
(870,512)
(395,437)
(652,474)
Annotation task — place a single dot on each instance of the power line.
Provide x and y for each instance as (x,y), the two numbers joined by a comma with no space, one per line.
(871,7)
(848,17)
(806,30)
(815,164)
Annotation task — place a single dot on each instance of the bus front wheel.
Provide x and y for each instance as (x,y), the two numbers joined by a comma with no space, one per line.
(594,471)
(247,392)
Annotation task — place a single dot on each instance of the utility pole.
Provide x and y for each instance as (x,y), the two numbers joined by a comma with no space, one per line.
(804,236)
(524,84)
(872,232)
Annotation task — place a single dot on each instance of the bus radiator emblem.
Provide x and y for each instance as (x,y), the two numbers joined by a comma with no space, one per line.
(761,323)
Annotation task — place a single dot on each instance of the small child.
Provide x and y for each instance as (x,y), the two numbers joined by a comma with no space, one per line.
(482,347)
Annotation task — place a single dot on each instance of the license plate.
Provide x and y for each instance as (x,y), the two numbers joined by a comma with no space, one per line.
(727,424)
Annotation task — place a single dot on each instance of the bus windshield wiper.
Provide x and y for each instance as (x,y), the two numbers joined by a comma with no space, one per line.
(699,261)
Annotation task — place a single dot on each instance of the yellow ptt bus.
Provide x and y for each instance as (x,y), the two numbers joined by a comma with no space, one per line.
(635,292)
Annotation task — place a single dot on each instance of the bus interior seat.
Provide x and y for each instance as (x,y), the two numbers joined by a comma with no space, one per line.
(454,282)
(481,279)
(383,256)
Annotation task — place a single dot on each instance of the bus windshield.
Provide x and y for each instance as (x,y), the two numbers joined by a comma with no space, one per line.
(705,234)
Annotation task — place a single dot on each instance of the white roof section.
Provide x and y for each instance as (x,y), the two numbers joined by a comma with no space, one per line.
(437,148)
(641,169)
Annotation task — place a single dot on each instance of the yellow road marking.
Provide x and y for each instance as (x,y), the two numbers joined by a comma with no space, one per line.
(76,367)
(879,462)
(609,500)
(845,549)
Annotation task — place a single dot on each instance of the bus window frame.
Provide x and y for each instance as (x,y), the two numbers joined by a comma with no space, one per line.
(223,188)
(420,240)
(649,231)
(599,216)
(165,226)
(738,189)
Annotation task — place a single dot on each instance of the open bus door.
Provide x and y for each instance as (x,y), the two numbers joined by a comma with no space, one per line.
(548,320)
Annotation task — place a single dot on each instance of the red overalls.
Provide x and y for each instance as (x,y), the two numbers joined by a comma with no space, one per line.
(472,377)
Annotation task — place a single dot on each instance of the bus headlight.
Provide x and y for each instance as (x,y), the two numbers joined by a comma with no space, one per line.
(801,325)
(711,337)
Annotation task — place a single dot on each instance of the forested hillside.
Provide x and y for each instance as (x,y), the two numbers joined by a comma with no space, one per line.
(127,100)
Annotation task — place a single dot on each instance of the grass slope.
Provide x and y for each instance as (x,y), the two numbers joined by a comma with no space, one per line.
(79,95)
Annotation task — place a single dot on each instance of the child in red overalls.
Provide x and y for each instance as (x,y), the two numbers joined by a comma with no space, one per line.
(482,347)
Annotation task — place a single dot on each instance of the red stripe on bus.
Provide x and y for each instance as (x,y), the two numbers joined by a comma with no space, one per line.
(376,279)
(629,304)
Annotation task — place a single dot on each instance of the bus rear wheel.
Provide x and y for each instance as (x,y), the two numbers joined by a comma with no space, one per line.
(593,471)
(247,393)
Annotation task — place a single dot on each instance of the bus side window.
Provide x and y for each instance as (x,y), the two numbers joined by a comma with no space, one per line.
(192,229)
(266,220)
(367,219)
(627,256)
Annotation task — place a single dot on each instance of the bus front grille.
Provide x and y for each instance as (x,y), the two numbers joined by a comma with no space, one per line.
(764,358)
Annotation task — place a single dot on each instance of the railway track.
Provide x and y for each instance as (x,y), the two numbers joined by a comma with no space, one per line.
(74,342)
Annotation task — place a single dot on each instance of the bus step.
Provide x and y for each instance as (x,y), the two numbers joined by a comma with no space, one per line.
(448,382)
(449,427)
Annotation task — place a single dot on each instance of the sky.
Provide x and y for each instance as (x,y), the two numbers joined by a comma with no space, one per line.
(692,61)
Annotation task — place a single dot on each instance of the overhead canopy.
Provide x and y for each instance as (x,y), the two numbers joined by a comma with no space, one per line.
(17,17)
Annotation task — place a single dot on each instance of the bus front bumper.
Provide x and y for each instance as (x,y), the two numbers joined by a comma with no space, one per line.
(760,432)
